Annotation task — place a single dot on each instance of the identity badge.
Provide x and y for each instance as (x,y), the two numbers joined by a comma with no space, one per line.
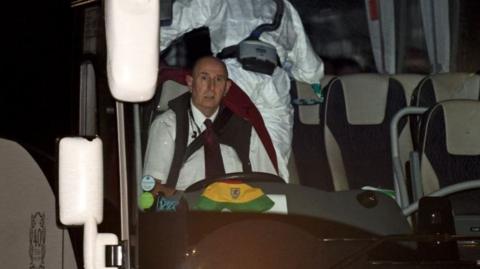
(148,183)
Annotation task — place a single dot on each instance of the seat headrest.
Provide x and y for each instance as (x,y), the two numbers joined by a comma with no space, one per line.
(310,114)
(409,83)
(456,86)
(365,97)
(462,126)
(170,90)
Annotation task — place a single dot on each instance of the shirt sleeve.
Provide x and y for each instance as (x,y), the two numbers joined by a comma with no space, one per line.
(160,147)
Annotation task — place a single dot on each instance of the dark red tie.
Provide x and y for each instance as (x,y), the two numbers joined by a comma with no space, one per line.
(213,157)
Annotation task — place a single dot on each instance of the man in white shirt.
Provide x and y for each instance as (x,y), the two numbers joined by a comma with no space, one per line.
(174,160)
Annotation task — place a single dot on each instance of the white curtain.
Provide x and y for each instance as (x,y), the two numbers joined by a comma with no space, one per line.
(436,28)
(381,24)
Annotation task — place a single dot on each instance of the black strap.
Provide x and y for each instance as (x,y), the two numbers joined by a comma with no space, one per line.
(182,152)
(218,126)
(180,107)
(228,52)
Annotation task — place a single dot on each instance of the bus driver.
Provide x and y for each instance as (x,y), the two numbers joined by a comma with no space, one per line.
(185,147)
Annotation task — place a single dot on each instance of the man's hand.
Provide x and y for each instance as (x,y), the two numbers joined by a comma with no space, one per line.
(161,189)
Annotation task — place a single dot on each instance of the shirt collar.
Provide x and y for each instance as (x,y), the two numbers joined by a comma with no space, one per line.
(198,116)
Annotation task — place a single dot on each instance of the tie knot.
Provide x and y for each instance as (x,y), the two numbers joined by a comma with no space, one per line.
(208,123)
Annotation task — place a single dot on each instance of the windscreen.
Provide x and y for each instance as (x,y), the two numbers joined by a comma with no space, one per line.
(304,223)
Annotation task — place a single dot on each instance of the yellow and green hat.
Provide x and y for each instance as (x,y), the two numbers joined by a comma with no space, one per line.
(235,196)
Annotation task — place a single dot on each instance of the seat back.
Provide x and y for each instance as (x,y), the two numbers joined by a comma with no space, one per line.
(409,82)
(440,87)
(30,236)
(446,86)
(170,90)
(310,114)
(309,153)
(357,114)
(450,150)
(170,84)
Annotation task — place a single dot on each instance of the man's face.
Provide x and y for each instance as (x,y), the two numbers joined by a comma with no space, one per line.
(208,83)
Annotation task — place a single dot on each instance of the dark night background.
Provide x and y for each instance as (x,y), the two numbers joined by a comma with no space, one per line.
(35,101)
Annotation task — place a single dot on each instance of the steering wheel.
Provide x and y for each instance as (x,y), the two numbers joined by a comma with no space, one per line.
(245,177)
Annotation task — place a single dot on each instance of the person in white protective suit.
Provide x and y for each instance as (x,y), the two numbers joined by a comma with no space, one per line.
(231,21)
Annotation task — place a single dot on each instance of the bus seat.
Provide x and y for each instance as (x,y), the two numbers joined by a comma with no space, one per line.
(440,87)
(450,154)
(309,153)
(170,84)
(450,144)
(357,113)
(409,82)
(310,114)
(292,169)
(31,236)
(446,86)
(170,91)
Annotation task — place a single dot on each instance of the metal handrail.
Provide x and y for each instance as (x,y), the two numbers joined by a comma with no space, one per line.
(398,175)
(462,186)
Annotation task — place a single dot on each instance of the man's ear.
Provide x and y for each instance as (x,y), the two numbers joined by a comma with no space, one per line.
(189,80)
(227,87)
